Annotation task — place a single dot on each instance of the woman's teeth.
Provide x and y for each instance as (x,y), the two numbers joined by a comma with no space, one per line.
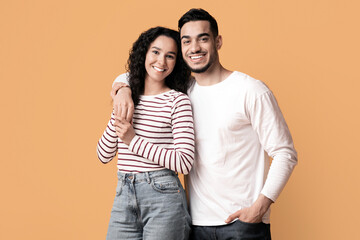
(159,69)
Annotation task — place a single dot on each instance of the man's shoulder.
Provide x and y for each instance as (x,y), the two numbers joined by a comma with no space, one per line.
(247,83)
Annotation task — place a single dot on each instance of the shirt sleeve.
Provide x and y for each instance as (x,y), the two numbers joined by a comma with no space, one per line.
(124,78)
(181,157)
(107,145)
(269,123)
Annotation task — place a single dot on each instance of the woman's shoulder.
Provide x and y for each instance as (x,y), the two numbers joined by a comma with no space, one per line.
(178,96)
(180,100)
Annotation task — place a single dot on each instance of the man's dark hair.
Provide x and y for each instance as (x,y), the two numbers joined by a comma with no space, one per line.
(178,79)
(198,14)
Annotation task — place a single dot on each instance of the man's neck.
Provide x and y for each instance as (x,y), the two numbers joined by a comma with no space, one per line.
(212,76)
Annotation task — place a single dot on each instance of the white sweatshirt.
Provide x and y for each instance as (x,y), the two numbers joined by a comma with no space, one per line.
(238,125)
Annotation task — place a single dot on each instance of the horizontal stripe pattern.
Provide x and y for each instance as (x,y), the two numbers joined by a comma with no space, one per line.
(164,136)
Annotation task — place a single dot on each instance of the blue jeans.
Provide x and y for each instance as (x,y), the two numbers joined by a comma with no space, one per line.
(234,231)
(149,206)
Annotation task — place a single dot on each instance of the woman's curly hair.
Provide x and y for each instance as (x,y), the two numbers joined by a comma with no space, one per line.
(178,79)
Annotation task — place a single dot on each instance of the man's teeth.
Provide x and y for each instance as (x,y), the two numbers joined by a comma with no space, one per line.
(196,57)
(159,69)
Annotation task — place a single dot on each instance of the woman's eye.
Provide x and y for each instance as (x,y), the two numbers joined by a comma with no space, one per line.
(156,52)
(170,56)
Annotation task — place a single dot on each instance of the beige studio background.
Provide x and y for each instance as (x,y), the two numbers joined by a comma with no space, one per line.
(57,63)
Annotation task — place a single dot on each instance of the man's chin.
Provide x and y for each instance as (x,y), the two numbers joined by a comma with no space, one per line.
(199,70)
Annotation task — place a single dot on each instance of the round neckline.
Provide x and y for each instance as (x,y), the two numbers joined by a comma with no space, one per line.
(156,95)
(216,84)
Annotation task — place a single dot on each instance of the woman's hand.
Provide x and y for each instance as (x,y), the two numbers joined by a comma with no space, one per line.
(124,130)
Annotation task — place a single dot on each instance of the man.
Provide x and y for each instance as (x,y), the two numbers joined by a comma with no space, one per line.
(238,124)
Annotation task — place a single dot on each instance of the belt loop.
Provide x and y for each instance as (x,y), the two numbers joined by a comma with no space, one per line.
(123,178)
(148,177)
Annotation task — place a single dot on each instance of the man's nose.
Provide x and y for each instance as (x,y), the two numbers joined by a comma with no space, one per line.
(195,47)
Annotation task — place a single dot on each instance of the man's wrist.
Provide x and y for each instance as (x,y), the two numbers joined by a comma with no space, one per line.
(122,87)
(263,203)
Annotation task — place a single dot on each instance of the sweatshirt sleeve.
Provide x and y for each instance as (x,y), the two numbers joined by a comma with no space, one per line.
(275,137)
(122,78)
(107,145)
(181,157)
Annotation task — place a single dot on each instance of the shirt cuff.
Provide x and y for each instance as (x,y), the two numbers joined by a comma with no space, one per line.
(133,146)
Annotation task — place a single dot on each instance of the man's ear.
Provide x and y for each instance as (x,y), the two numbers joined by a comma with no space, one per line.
(218,42)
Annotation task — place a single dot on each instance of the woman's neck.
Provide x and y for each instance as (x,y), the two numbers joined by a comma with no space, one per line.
(155,88)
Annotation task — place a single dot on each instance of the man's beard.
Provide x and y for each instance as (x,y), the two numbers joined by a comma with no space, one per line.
(206,67)
(199,70)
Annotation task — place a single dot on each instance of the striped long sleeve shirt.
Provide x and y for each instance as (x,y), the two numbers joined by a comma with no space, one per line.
(164,136)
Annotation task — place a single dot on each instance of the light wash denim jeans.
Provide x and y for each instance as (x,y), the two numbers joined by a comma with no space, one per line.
(149,206)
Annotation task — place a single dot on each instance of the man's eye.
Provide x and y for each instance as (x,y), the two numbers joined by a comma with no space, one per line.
(186,42)
(203,39)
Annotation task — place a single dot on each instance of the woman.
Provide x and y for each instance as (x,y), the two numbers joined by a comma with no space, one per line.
(150,202)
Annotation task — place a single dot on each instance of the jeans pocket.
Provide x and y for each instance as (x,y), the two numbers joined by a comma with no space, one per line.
(247,223)
(253,230)
(165,184)
(119,188)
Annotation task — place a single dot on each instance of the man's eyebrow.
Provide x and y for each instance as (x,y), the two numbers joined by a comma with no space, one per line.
(199,36)
(203,34)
